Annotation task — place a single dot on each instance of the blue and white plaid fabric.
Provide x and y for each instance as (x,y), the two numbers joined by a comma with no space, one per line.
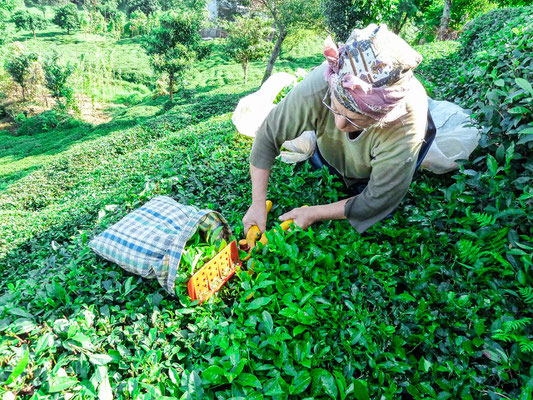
(150,240)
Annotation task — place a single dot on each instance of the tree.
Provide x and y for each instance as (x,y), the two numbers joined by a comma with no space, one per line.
(405,10)
(24,19)
(248,40)
(146,6)
(289,15)
(137,24)
(445,20)
(56,76)
(173,46)
(6,7)
(19,67)
(108,8)
(67,17)
(342,16)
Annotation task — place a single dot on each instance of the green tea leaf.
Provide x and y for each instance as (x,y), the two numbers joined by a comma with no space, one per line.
(195,389)
(300,382)
(519,110)
(269,323)
(258,303)
(360,390)
(19,368)
(272,388)
(214,373)
(248,380)
(104,388)
(524,84)
(100,359)
(59,384)
(45,342)
(325,380)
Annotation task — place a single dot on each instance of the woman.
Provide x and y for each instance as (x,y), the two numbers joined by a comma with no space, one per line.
(370,115)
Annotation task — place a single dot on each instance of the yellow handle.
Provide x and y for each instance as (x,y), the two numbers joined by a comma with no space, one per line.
(285,225)
(254,232)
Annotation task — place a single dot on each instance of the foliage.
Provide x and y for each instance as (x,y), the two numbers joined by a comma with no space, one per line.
(288,16)
(93,22)
(462,11)
(248,40)
(145,6)
(6,7)
(342,16)
(45,122)
(199,250)
(137,24)
(57,75)
(24,19)
(20,68)
(67,17)
(108,8)
(173,46)
(432,303)
(440,58)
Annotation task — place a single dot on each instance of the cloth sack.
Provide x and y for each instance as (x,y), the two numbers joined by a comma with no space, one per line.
(456,137)
(252,110)
(150,240)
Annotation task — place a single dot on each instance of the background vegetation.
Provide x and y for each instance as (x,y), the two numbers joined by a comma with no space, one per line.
(434,303)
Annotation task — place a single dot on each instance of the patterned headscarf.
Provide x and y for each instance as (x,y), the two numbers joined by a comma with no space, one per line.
(371,73)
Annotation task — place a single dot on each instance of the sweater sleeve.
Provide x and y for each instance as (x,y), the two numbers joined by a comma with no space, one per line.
(299,111)
(393,166)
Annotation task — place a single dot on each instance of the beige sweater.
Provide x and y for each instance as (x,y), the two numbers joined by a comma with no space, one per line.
(386,156)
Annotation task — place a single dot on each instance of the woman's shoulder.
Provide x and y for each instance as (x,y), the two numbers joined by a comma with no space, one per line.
(314,82)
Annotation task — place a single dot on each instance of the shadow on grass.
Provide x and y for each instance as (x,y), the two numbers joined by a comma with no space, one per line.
(59,140)
(125,41)
(16,175)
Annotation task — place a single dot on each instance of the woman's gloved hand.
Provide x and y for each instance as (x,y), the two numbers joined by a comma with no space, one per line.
(256,215)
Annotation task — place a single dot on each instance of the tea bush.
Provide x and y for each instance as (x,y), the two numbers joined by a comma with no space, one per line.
(434,303)
(46,121)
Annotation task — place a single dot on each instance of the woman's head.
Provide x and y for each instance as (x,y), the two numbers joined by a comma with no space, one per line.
(371,73)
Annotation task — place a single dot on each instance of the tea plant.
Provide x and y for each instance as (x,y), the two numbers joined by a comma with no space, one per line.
(434,302)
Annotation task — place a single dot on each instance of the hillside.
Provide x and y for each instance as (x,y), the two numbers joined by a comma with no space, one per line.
(433,303)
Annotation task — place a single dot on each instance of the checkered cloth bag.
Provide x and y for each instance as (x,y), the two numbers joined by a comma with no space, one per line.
(150,240)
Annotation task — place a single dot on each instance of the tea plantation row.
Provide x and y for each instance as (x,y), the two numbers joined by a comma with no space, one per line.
(434,303)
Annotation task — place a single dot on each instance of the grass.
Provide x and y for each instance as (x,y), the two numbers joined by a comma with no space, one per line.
(408,310)
(110,70)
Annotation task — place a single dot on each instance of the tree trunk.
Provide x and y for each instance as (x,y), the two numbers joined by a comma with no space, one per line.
(23,93)
(245,70)
(35,37)
(171,86)
(445,20)
(401,24)
(274,55)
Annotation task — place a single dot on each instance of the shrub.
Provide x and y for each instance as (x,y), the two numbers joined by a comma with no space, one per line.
(19,67)
(57,75)
(248,40)
(173,46)
(47,121)
(67,17)
(24,19)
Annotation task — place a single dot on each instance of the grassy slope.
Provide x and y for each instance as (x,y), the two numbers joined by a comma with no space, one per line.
(393,309)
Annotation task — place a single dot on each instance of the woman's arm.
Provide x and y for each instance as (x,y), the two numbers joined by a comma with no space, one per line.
(306,216)
(257,213)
